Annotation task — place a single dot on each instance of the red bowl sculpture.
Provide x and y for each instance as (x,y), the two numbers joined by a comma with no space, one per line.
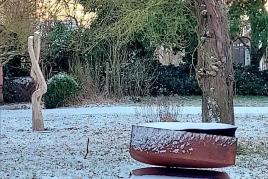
(170,144)
(159,172)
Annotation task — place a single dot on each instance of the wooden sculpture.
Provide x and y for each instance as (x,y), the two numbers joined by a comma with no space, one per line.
(1,84)
(34,45)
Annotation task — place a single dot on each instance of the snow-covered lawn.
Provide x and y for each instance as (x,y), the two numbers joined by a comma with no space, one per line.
(59,152)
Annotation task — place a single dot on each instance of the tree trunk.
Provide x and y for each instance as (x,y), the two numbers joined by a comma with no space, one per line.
(256,55)
(215,63)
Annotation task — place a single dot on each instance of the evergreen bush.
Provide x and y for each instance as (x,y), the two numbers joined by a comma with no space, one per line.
(250,81)
(60,88)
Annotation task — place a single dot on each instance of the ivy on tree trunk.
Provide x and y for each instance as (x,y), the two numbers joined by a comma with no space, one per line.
(215,64)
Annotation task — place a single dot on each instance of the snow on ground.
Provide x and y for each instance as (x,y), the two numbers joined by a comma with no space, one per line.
(59,152)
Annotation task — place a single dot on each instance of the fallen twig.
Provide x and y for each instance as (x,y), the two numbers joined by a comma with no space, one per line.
(87,148)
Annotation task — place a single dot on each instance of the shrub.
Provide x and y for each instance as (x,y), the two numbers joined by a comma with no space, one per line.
(57,51)
(175,80)
(250,81)
(178,80)
(18,89)
(60,88)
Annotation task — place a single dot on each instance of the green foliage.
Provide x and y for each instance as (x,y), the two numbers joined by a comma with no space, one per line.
(178,80)
(118,49)
(56,50)
(59,38)
(111,41)
(139,71)
(251,81)
(160,22)
(16,67)
(154,22)
(60,88)
(250,13)
(172,80)
(235,21)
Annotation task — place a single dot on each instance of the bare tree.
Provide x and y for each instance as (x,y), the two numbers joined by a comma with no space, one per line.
(16,23)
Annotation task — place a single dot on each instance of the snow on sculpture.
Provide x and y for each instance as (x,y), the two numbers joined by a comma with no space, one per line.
(34,45)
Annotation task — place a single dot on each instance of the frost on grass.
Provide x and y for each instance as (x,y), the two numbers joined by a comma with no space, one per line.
(59,153)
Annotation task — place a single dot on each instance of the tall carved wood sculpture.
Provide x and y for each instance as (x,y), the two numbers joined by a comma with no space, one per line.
(34,45)
(1,84)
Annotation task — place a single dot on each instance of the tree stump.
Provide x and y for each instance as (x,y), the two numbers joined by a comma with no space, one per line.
(34,45)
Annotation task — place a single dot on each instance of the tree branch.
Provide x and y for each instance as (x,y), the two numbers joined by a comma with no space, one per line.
(261,51)
(87,149)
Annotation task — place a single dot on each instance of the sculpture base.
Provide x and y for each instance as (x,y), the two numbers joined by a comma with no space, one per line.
(173,173)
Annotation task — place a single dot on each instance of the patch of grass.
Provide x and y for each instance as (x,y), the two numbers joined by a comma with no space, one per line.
(251,101)
(161,109)
(252,146)
(246,101)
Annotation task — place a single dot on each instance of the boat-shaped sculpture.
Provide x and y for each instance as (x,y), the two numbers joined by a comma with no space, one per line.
(192,145)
